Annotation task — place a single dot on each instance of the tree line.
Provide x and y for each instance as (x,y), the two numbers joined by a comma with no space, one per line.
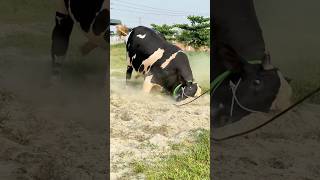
(195,34)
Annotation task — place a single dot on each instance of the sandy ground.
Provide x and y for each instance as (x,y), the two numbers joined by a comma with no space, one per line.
(49,131)
(285,149)
(59,132)
(144,125)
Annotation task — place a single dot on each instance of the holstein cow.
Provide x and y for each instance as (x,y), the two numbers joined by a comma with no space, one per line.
(162,63)
(244,81)
(93,19)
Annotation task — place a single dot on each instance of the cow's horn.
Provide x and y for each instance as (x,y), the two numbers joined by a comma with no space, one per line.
(266,63)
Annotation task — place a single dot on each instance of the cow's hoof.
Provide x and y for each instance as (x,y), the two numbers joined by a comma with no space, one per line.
(55,79)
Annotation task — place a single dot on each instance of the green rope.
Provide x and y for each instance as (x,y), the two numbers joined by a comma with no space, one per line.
(218,80)
(255,62)
(176,89)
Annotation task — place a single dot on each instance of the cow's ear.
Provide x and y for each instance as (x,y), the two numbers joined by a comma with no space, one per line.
(230,58)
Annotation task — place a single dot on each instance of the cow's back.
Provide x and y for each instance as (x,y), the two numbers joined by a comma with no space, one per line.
(144,42)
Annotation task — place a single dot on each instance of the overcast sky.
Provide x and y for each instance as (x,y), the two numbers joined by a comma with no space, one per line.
(146,12)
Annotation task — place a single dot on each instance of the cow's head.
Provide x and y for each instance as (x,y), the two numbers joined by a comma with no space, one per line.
(189,90)
(247,88)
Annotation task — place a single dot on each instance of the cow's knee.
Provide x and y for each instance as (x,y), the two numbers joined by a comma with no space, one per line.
(129,73)
(148,85)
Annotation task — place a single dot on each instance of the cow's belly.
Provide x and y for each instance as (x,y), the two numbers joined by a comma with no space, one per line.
(99,40)
(93,38)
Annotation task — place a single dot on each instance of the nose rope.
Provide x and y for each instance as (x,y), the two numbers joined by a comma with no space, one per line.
(268,121)
(234,88)
(184,94)
(214,85)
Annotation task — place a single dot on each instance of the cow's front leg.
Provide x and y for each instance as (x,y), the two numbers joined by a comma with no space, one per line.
(129,73)
(147,84)
(60,40)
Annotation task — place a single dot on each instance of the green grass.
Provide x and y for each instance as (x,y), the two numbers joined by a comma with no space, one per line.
(118,56)
(189,161)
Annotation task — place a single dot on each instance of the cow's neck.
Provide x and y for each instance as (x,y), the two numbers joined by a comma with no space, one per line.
(217,69)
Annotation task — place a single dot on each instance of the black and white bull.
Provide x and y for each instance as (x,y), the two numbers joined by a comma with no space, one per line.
(244,81)
(163,64)
(93,17)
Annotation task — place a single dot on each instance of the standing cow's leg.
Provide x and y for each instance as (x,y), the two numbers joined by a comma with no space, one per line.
(60,37)
(129,73)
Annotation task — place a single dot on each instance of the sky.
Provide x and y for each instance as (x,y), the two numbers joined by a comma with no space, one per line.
(146,12)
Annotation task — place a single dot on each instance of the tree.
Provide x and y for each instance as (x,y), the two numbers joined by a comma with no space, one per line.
(196,34)
(166,30)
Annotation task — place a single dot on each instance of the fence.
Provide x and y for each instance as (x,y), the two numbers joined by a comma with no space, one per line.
(115,39)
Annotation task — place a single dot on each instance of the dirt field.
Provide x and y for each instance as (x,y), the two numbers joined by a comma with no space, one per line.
(143,126)
(59,131)
(285,149)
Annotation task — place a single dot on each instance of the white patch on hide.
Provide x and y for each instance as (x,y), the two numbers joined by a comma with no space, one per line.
(151,60)
(141,36)
(166,63)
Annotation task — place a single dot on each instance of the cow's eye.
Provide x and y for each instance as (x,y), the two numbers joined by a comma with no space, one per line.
(257,82)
